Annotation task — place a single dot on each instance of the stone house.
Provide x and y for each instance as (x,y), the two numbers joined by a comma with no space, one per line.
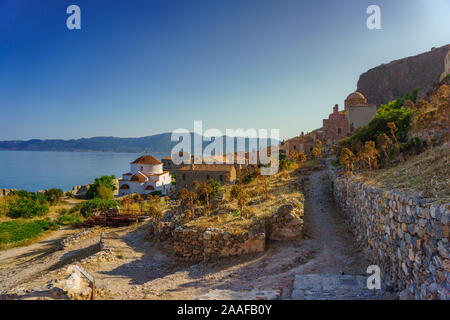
(301,144)
(168,164)
(188,173)
(336,126)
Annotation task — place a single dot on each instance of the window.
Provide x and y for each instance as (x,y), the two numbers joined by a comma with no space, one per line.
(207,177)
(142,168)
(184,177)
(295,147)
(221,177)
(339,130)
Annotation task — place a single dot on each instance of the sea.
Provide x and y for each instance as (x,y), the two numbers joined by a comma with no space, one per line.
(40,170)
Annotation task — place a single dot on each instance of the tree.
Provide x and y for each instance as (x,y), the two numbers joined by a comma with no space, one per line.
(188,199)
(293,155)
(393,130)
(54,195)
(369,155)
(347,158)
(302,158)
(384,143)
(263,185)
(107,181)
(316,152)
(319,144)
(240,194)
(105,193)
(206,190)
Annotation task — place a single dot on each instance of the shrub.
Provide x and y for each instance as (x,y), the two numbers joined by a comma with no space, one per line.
(54,195)
(105,193)
(105,181)
(392,112)
(28,205)
(69,219)
(96,204)
(15,231)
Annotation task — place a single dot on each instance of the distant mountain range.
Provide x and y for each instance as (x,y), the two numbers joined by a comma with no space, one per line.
(160,143)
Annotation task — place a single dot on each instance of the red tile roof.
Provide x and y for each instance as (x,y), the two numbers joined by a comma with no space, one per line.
(154,174)
(207,167)
(147,159)
(138,177)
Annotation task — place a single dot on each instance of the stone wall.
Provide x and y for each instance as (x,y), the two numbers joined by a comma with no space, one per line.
(195,245)
(405,235)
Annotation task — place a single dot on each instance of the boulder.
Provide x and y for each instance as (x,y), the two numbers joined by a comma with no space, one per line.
(286,223)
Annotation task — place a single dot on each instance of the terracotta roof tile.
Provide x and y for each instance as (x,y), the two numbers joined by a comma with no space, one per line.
(147,159)
(207,167)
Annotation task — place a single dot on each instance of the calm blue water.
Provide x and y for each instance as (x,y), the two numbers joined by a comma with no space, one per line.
(38,170)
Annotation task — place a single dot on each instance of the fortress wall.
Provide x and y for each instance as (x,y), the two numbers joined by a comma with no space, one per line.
(406,236)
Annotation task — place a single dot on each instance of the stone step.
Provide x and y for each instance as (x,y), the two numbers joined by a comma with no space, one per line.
(222,294)
(335,287)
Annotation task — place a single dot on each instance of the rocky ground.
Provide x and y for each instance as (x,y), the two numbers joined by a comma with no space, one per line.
(142,269)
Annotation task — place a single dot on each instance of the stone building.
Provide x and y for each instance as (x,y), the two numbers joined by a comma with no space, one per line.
(446,66)
(301,144)
(188,173)
(358,111)
(168,164)
(336,126)
(146,176)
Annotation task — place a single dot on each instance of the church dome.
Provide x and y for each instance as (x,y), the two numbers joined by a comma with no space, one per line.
(355,99)
(356,95)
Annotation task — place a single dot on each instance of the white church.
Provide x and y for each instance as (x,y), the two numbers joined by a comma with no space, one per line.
(146,176)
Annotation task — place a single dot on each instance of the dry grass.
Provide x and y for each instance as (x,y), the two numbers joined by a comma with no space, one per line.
(282,189)
(426,174)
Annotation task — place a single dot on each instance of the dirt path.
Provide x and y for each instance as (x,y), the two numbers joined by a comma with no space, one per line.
(335,246)
(18,266)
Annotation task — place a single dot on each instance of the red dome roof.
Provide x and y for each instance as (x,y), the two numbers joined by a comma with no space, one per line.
(147,159)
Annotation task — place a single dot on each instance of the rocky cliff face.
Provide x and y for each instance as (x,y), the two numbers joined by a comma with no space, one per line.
(390,81)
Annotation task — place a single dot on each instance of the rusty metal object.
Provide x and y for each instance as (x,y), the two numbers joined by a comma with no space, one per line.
(112,219)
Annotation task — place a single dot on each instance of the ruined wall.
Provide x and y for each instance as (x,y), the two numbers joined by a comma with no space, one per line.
(196,245)
(406,236)
(5,192)
(390,81)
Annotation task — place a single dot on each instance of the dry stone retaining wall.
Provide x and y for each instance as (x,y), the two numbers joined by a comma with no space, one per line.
(406,236)
(196,245)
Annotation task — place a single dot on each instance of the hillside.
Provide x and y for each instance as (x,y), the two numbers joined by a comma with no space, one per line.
(159,143)
(389,81)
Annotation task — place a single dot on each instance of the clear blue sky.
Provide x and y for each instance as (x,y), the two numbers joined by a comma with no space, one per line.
(139,68)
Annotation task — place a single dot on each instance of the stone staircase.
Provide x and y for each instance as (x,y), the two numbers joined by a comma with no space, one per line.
(335,287)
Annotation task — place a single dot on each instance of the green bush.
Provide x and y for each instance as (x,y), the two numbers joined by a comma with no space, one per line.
(54,196)
(69,219)
(96,204)
(97,189)
(28,205)
(392,112)
(217,187)
(15,231)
